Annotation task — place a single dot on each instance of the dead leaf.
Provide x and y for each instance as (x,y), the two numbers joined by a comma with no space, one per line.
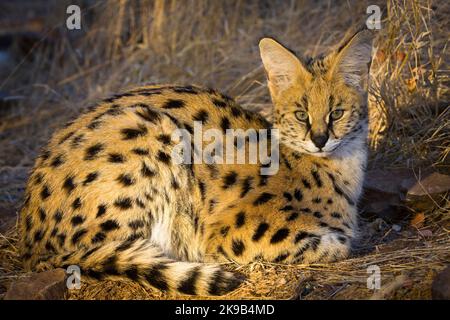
(418,220)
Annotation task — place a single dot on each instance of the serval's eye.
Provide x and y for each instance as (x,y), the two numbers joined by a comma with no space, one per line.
(336,114)
(301,116)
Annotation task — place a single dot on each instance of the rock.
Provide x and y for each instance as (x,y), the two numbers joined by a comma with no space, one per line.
(396,227)
(47,285)
(440,289)
(426,192)
(389,193)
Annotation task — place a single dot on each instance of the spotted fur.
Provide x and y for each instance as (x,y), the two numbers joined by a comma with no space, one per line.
(106,195)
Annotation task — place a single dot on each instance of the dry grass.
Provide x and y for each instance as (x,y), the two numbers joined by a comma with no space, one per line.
(214,43)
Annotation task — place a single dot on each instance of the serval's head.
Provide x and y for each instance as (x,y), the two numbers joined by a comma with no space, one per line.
(320,106)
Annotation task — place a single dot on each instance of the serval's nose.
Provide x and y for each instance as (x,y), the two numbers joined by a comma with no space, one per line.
(319,140)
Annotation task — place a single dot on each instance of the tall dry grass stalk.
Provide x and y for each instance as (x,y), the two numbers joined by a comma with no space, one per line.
(214,43)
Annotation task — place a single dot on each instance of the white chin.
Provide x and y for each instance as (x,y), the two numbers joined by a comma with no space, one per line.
(320,154)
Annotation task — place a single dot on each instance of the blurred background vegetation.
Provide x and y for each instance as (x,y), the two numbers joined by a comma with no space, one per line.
(48,73)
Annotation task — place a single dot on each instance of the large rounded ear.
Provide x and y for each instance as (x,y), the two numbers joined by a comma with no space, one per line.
(282,67)
(352,60)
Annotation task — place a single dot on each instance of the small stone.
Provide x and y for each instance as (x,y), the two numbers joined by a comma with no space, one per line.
(396,227)
(440,289)
(47,285)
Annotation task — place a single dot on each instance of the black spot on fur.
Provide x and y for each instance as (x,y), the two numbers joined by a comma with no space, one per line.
(69,184)
(78,235)
(94,125)
(173,104)
(306,184)
(101,210)
(90,178)
(61,239)
(188,285)
(298,195)
(110,266)
(186,89)
(280,235)
(317,214)
(236,111)
(263,198)
(42,214)
(66,137)
(317,178)
(45,154)
(336,215)
(132,273)
(229,179)
(294,215)
(238,247)
(246,186)
(156,278)
(109,225)
(188,127)
(201,115)
(45,192)
(28,222)
(336,229)
(220,284)
(260,231)
(202,188)
(123,203)
(57,161)
(54,232)
(263,179)
(317,200)
(133,133)
(300,236)
(224,231)
(174,184)
(49,247)
(287,163)
(146,171)
(315,242)
(93,151)
(58,216)
(38,235)
(240,219)
(99,237)
(281,257)
(140,151)
(136,224)
(219,103)
(77,220)
(89,253)
(225,124)
(148,114)
(125,179)
(77,140)
(287,196)
(164,138)
(163,157)
(116,158)
(76,204)
(287,208)
(212,205)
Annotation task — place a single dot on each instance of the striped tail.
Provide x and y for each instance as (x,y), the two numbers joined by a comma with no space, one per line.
(143,262)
